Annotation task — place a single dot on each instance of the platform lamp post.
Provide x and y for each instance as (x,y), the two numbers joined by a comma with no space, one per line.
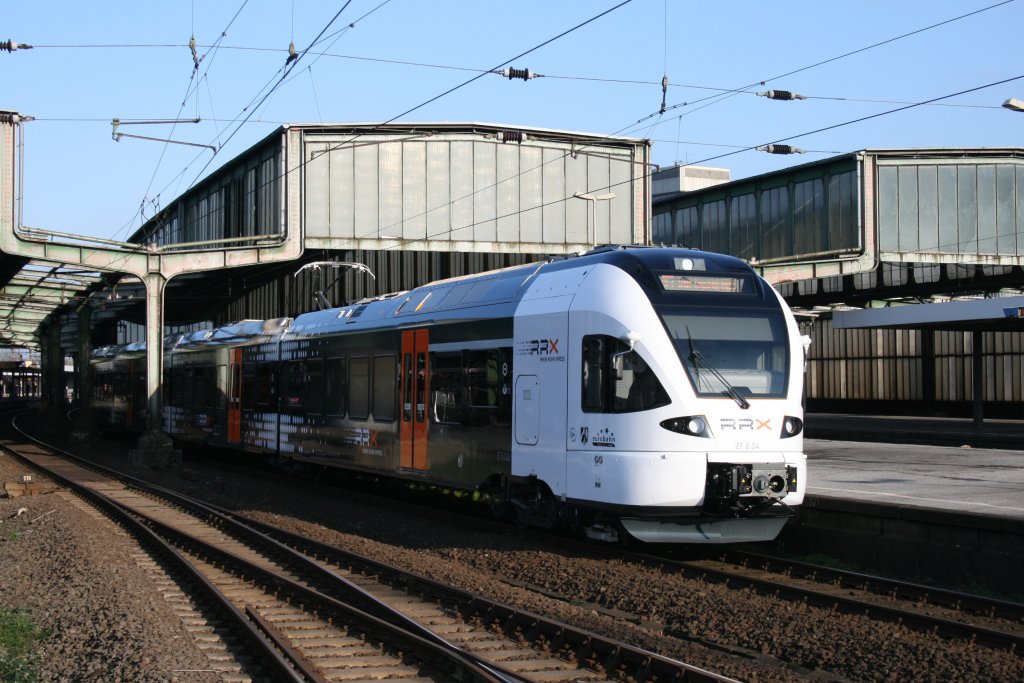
(593,199)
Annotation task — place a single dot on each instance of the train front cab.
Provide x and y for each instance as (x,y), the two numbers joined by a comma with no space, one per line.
(621,452)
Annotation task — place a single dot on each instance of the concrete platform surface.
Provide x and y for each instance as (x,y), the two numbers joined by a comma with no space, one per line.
(958,479)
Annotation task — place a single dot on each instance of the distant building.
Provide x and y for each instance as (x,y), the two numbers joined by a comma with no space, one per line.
(682,178)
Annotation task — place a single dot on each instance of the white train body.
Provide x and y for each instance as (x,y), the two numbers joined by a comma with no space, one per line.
(651,479)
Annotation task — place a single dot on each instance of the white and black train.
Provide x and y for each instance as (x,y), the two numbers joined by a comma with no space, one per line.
(648,391)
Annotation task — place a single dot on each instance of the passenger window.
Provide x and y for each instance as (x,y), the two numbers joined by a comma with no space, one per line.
(617,379)
(313,387)
(264,385)
(446,388)
(334,386)
(291,392)
(482,378)
(248,388)
(359,388)
(384,383)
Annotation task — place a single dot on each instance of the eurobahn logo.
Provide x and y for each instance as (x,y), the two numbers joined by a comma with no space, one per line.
(546,350)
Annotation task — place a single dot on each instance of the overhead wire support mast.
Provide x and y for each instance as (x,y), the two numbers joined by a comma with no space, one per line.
(117,123)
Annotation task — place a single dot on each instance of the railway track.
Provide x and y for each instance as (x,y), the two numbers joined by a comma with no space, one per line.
(316,613)
(949,614)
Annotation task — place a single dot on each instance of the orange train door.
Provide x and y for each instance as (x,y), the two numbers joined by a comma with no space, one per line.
(415,384)
(235,397)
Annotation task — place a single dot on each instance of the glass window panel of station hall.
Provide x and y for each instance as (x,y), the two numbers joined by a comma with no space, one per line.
(743,236)
(715,227)
(949,239)
(1006,223)
(986,209)
(661,228)
(908,203)
(967,207)
(687,228)
(775,234)
(842,212)
(888,209)
(928,208)
(809,216)
(1019,230)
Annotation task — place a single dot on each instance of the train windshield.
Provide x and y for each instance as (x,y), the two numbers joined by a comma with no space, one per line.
(733,353)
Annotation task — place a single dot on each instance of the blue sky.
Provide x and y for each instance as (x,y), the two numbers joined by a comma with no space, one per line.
(93,62)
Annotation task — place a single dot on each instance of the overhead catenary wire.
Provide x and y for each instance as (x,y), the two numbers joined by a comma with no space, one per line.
(714,99)
(450,90)
(612,186)
(503,63)
(192,79)
(935,104)
(287,69)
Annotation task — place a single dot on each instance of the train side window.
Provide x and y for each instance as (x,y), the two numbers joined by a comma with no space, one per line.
(446,384)
(205,389)
(220,397)
(293,376)
(617,379)
(121,385)
(593,374)
(248,388)
(384,383)
(359,388)
(482,378)
(334,386)
(313,387)
(185,378)
(264,385)
(483,387)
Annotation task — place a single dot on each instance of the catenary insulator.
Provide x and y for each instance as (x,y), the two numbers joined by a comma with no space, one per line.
(779,149)
(522,74)
(781,95)
(11,46)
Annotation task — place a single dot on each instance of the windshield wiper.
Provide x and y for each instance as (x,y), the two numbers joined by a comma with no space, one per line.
(730,390)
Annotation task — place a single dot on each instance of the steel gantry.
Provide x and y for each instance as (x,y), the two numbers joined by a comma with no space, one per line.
(75,262)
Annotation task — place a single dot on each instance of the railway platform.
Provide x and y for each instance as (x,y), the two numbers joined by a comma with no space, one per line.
(929,499)
(938,463)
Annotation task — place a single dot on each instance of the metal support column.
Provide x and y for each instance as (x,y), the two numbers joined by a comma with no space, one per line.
(977,385)
(85,424)
(44,369)
(53,370)
(155,285)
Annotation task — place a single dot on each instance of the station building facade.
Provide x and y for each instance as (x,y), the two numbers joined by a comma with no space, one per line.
(415,202)
(880,228)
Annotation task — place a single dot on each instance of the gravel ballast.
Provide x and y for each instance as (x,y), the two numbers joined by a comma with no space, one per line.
(77,577)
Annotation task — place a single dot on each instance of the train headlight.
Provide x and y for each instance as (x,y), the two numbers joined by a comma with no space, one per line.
(791,426)
(693,425)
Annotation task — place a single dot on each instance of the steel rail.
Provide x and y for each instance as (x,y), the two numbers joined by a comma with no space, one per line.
(409,632)
(941,626)
(964,602)
(149,538)
(587,646)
